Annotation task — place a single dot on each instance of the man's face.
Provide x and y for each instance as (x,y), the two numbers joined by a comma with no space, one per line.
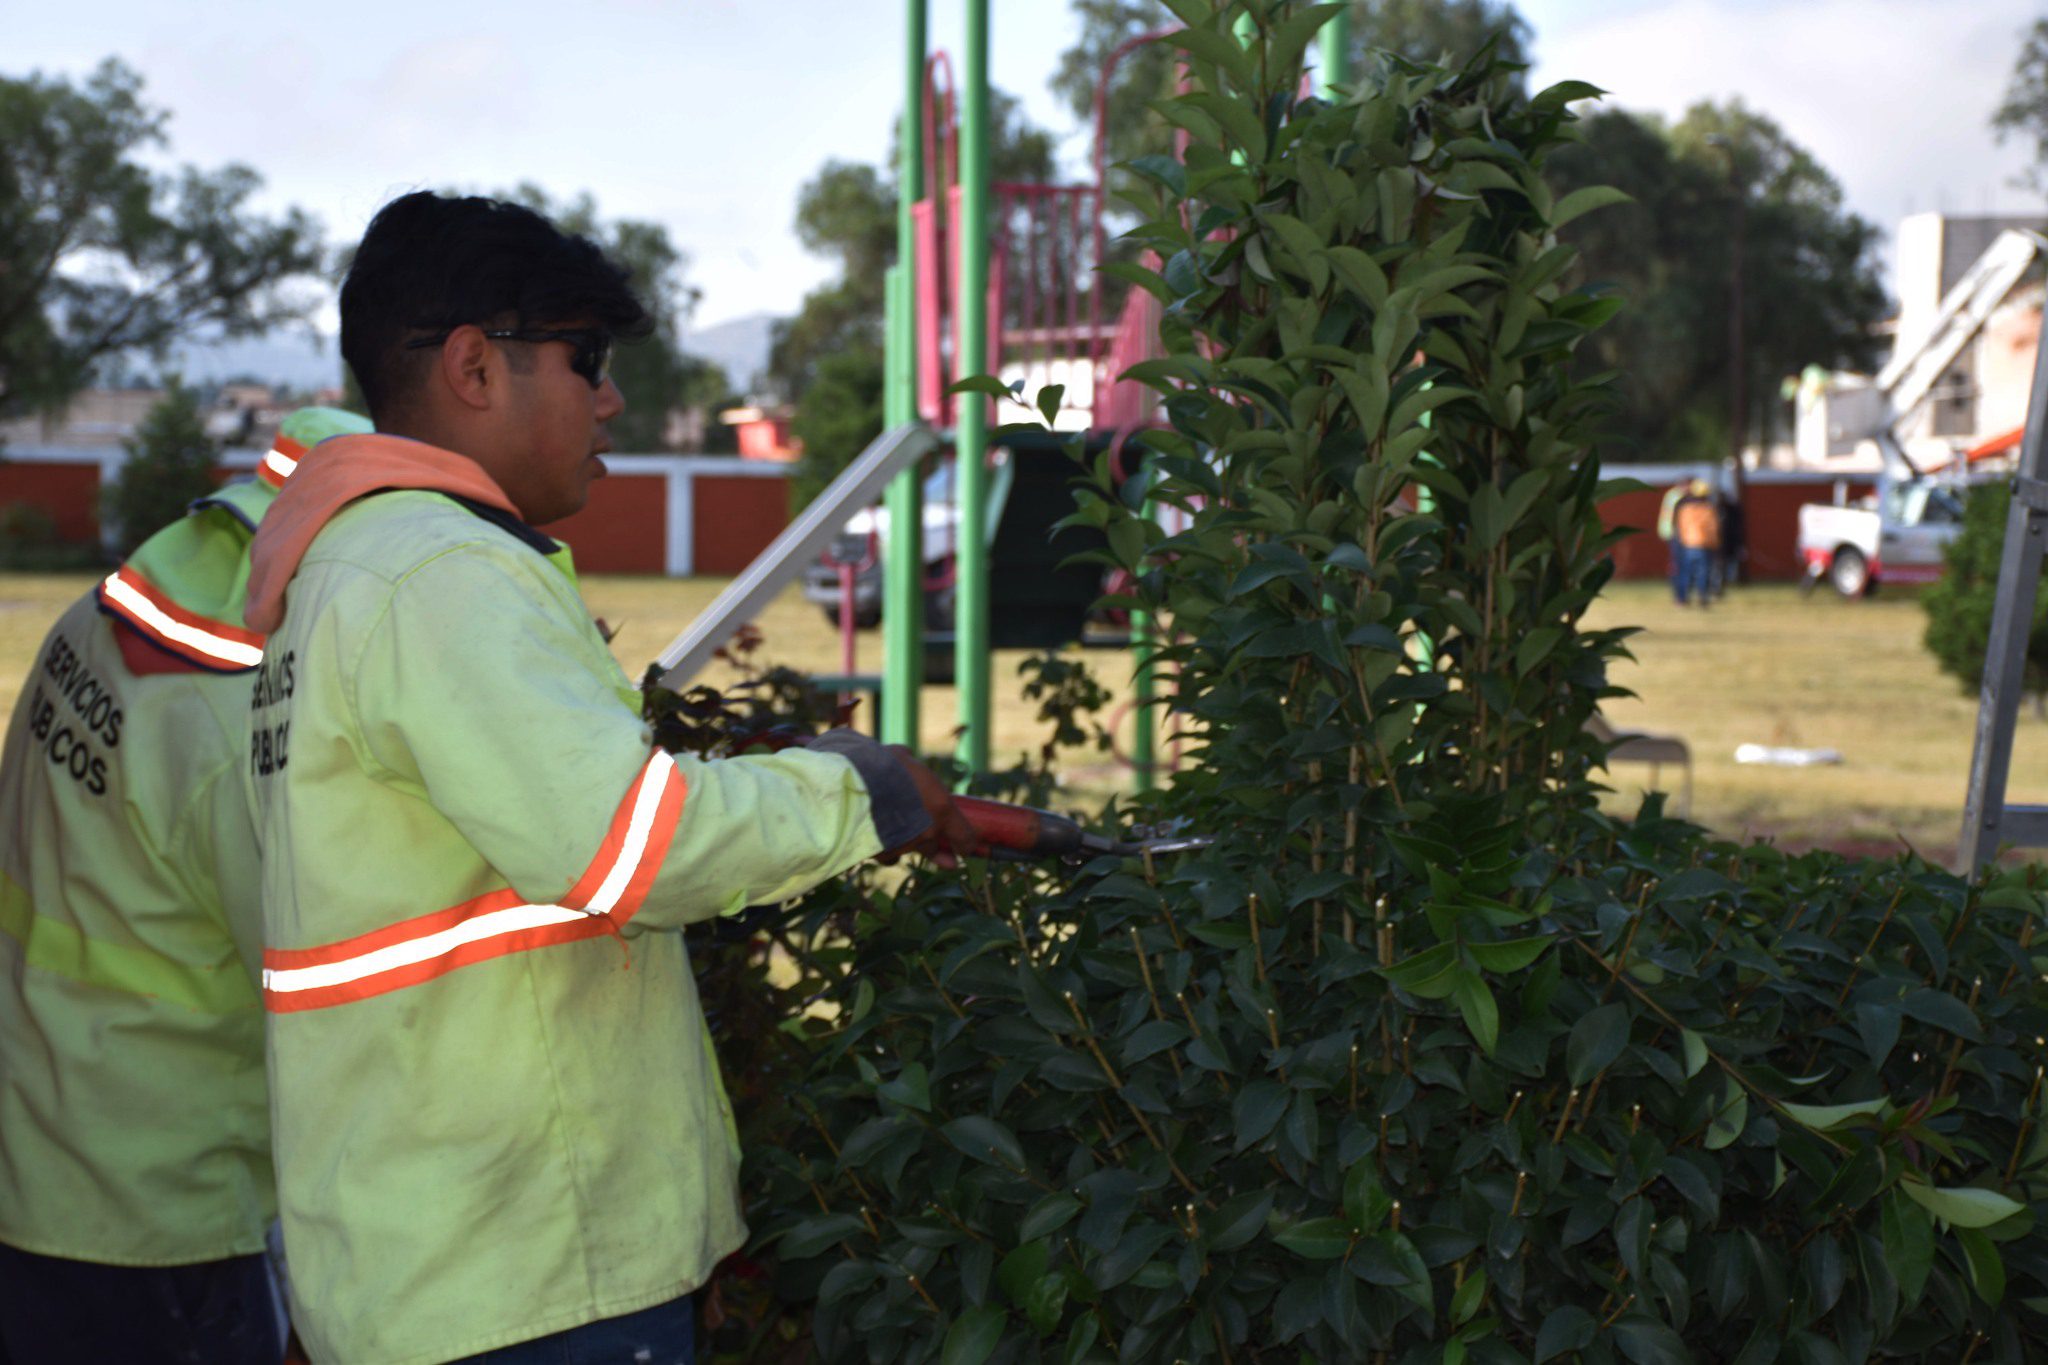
(557,424)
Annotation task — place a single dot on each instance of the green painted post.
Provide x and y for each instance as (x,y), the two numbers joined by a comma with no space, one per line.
(903,571)
(1335,67)
(970,612)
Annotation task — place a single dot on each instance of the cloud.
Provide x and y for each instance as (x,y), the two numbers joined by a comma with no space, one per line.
(1893,96)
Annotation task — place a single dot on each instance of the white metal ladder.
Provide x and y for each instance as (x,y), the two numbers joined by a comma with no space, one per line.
(1988,821)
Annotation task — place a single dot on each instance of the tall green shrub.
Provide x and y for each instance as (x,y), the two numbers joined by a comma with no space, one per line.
(170,463)
(1426,1059)
(1959,605)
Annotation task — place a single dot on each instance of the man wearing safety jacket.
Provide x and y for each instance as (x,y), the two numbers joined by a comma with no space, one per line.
(500,1129)
(135,1175)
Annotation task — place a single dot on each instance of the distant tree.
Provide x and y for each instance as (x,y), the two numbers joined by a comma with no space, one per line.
(2023,113)
(656,375)
(1959,605)
(1419,30)
(1811,289)
(827,359)
(100,256)
(170,463)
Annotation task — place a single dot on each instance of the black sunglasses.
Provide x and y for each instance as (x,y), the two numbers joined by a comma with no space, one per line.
(590,354)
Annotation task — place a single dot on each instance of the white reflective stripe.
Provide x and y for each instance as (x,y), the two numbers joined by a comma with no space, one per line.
(281,463)
(511,920)
(654,780)
(153,616)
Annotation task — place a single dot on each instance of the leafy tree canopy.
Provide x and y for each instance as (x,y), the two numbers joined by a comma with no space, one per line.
(99,256)
(657,376)
(1810,281)
(170,463)
(2023,113)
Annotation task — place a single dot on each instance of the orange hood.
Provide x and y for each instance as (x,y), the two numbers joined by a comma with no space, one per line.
(331,476)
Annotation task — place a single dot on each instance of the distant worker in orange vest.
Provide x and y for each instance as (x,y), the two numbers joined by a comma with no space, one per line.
(1695,541)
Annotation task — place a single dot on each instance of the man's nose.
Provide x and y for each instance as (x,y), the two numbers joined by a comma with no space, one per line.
(610,401)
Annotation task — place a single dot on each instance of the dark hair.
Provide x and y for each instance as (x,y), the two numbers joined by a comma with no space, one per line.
(429,262)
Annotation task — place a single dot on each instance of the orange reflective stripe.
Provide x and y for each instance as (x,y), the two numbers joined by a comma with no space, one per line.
(283,458)
(198,639)
(608,893)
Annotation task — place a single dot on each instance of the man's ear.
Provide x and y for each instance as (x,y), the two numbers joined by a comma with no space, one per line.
(470,366)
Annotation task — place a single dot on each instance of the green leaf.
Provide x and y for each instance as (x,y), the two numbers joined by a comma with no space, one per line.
(1510,955)
(1584,201)
(1049,398)
(814,1235)
(1695,1052)
(1257,1110)
(986,1140)
(1827,1117)
(1021,1270)
(1217,48)
(1729,1120)
(1476,1003)
(1962,1206)
(1908,1245)
(1151,1039)
(1360,273)
(1595,1041)
(1166,170)
(1536,646)
(1366,1201)
(1238,1221)
(1470,1295)
(1943,1011)
(1878,1027)
(1649,1342)
(974,1336)
(990,385)
(1049,1214)
(1430,973)
(1568,1328)
(911,1088)
(1987,1268)
(1316,1239)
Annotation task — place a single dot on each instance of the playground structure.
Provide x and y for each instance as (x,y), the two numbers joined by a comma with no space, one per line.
(990,279)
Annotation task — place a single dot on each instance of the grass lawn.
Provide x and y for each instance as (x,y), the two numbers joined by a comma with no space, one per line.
(1764,666)
(1767,666)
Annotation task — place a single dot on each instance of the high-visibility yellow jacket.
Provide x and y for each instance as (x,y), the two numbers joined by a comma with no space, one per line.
(133,1122)
(497,1111)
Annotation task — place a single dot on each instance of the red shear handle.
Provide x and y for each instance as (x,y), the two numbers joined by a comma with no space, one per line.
(1020,829)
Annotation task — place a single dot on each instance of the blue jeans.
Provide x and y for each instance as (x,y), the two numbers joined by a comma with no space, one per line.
(59,1312)
(1692,572)
(665,1334)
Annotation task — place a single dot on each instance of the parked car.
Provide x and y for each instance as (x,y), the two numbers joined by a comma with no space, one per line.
(865,538)
(1894,536)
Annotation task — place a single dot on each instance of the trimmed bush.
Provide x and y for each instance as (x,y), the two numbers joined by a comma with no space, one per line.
(1425,1059)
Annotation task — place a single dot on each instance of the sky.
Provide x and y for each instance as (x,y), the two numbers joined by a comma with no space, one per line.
(708,115)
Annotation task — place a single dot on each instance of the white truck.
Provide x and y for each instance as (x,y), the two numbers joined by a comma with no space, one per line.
(1894,536)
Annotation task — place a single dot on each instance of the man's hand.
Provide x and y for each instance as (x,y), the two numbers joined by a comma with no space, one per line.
(951,836)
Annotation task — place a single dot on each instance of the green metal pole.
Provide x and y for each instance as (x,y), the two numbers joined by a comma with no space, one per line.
(970,621)
(903,568)
(1335,66)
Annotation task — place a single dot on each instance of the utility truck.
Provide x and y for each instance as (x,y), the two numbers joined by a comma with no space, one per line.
(1897,535)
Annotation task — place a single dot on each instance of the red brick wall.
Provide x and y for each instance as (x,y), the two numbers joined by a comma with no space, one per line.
(622,529)
(1772,527)
(734,519)
(70,493)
